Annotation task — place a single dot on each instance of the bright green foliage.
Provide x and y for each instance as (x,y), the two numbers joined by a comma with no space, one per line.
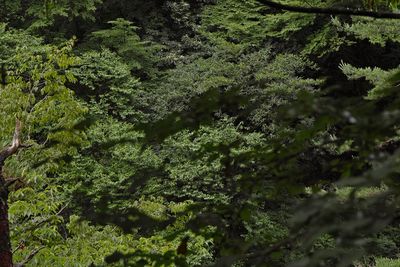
(185,154)
(46,11)
(107,82)
(35,218)
(383,262)
(196,78)
(278,82)
(234,25)
(123,39)
(86,245)
(375,4)
(326,41)
(168,240)
(377,32)
(265,82)
(108,168)
(43,13)
(35,93)
(376,76)
(286,24)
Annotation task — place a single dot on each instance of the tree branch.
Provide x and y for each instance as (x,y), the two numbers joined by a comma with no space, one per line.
(39,223)
(15,144)
(10,181)
(20,246)
(331,11)
(29,257)
(3,75)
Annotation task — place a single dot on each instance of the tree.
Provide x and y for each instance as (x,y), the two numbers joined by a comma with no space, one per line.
(5,247)
(35,99)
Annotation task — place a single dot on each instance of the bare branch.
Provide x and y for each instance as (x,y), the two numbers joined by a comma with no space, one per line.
(15,144)
(331,11)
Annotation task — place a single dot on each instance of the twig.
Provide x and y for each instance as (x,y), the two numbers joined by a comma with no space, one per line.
(29,257)
(39,223)
(9,182)
(20,245)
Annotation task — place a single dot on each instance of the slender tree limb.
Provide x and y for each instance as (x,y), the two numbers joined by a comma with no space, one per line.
(274,247)
(10,181)
(39,223)
(20,246)
(29,257)
(3,75)
(331,11)
(15,144)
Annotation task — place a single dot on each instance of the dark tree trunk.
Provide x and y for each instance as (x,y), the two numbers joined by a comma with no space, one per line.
(5,244)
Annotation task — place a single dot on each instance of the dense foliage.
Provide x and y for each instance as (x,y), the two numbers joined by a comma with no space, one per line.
(199,133)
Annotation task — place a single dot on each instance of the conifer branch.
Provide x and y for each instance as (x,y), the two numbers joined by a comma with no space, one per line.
(331,11)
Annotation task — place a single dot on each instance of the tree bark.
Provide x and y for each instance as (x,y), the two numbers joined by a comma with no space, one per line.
(5,244)
(5,241)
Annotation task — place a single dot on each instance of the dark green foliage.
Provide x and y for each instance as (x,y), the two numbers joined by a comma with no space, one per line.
(106,81)
(39,14)
(123,39)
(200,133)
(184,155)
(110,168)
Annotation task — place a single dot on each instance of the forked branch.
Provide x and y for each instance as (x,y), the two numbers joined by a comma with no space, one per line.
(15,144)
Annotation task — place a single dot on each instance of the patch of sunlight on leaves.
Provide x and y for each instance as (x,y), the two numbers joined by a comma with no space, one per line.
(385,262)
(345,192)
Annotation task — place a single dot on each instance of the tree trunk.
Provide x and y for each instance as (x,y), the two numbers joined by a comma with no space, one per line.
(5,244)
